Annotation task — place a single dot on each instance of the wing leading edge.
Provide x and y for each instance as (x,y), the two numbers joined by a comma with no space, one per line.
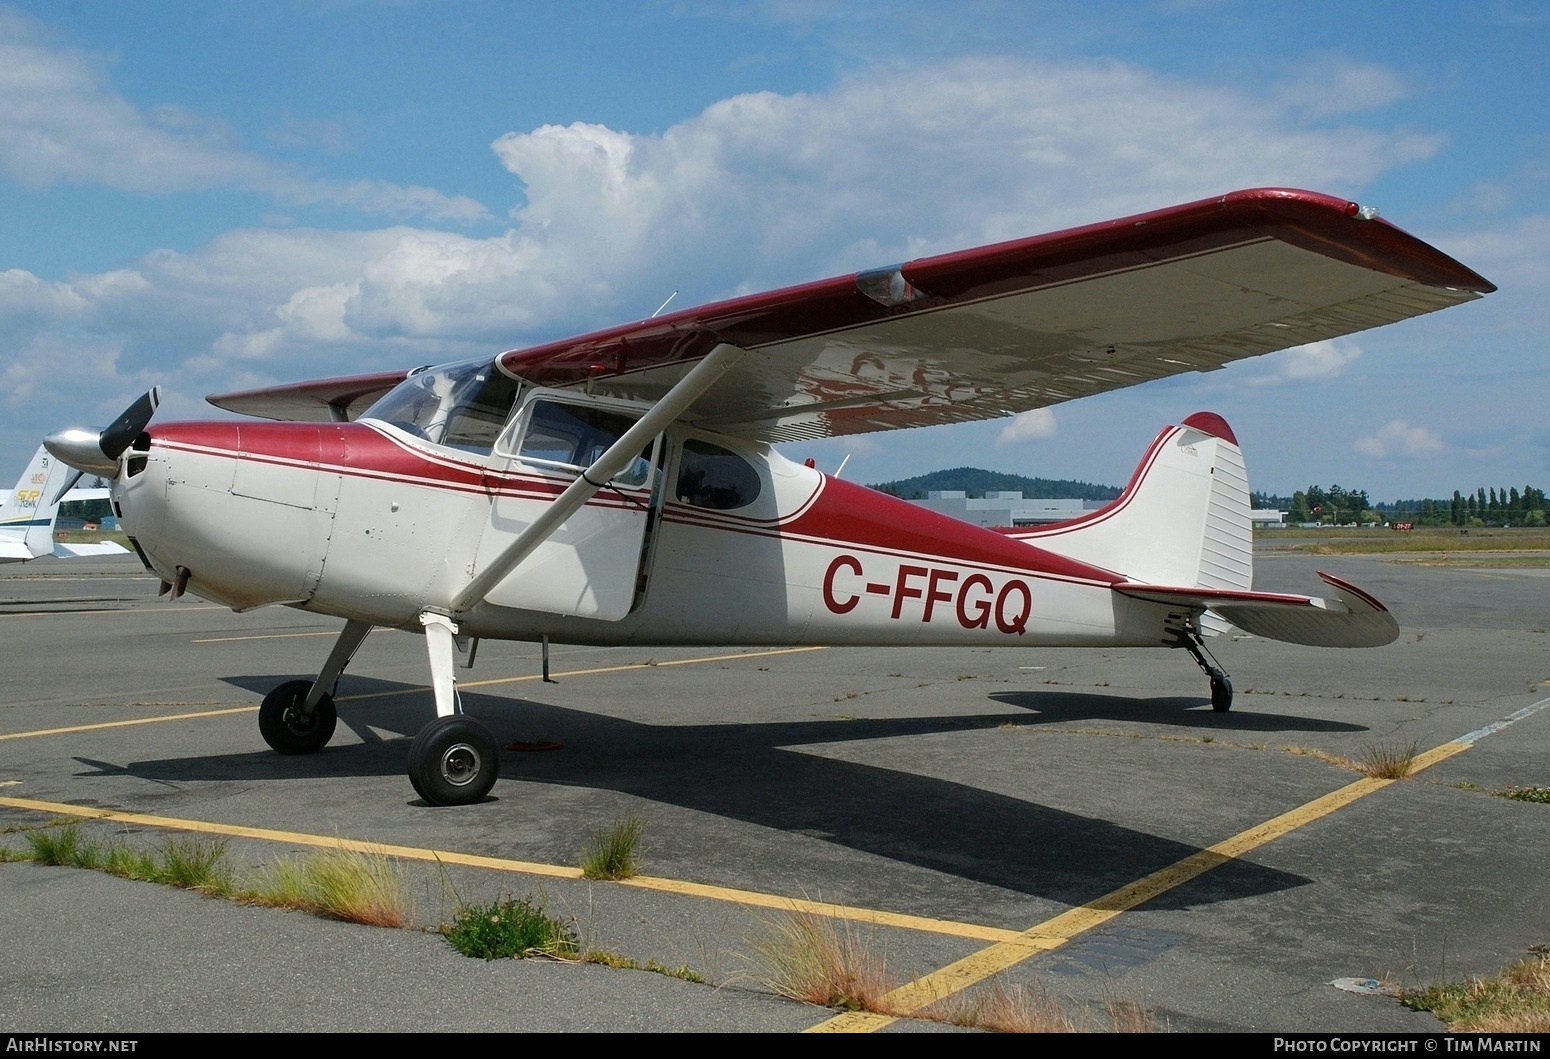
(1001,329)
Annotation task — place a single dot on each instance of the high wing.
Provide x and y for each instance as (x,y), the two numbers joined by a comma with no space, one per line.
(320,400)
(989,332)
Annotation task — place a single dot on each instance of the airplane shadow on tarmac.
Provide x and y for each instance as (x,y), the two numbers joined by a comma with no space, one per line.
(748,772)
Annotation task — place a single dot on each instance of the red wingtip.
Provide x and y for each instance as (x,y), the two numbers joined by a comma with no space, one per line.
(1212,424)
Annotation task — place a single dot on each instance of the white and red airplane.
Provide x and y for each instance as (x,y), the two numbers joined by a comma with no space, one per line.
(620,487)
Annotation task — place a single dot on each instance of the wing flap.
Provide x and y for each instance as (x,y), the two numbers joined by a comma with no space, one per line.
(1353,619)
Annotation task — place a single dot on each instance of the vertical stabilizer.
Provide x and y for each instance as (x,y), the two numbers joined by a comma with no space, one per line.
(27,516)
(1183,520)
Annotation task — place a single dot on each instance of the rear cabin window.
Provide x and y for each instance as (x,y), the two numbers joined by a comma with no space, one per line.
(714,477)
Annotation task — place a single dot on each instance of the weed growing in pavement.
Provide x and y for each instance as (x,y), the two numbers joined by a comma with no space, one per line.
(511,928)
(1383,762)
(813,958)
(365,888)
(1515,1001)
(612,853)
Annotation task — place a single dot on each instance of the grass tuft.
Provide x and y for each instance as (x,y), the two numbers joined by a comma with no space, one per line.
(1019,1008)
(512,928)
(1515,1001)
(1387,763)
(810,957)
(59,846)
(188,863)
(612,853)
(1005,1008)
(364,888)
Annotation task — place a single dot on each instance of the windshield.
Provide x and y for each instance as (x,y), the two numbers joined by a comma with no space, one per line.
(462,405)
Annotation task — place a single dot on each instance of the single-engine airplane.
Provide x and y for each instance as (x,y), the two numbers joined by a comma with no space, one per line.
(620,487)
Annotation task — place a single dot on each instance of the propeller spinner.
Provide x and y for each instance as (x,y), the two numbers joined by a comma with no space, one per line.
(97,452)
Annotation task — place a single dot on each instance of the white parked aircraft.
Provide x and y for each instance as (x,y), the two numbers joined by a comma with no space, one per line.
(27,514)
(620,487)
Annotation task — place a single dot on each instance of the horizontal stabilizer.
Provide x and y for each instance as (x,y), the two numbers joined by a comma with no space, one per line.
(76,551)
(1354,619)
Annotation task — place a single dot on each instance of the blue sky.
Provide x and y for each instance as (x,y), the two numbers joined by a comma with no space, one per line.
(214,196)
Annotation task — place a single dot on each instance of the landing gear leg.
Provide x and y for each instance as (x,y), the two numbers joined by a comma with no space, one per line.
(454,759)
(298,717)
(1221,686)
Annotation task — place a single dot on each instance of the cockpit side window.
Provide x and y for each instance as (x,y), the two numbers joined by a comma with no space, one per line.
(571,437)
(714,477)
(460,405)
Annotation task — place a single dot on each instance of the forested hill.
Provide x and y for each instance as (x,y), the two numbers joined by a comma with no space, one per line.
(977,483)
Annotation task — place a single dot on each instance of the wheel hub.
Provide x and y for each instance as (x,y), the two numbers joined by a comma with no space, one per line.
(460,764)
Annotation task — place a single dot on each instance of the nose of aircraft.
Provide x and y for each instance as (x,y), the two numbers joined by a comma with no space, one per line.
(97,451)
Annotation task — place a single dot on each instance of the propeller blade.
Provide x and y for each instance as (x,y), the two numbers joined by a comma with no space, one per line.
(97,451)
(75,476)
(118,437)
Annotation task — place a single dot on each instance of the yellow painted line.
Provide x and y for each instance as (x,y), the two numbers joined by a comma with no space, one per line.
(405,691)
(915,996)
(756,899)
(267,636)
(298,838)
(126,724)
(748,898)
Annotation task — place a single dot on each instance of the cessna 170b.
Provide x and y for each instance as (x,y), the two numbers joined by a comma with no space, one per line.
(620,487)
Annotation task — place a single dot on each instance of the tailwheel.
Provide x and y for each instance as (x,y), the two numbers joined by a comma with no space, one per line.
(287,728)
(1221,693)
(1221,686)
(453,761)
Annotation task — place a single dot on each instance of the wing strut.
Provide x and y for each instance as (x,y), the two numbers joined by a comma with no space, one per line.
(673,404)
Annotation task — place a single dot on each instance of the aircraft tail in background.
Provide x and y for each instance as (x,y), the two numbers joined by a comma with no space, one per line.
(27,515)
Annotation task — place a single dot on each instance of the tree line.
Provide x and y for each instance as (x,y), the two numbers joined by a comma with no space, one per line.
(1483,507)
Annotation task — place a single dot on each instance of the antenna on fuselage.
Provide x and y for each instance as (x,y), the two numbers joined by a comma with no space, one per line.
(658,313)
(841,468)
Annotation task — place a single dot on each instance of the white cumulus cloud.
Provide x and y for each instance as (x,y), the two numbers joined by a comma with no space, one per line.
(61,122)
(1399,438)
(1027,426)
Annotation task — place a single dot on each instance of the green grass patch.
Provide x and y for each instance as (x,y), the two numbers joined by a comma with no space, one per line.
(1515,1001)
(58,846)
(194,864)
(624,963)
(1526,794)
(511,928)
(613,852)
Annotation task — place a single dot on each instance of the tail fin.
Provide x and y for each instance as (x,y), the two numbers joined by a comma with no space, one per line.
(1183,519)
(27,516)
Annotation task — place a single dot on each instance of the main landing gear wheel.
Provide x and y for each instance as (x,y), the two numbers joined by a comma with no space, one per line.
(453,761)
(288,730)
(1221,693)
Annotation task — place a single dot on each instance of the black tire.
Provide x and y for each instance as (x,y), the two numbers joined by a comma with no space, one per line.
(282,725)
(453,761)
(1221,694)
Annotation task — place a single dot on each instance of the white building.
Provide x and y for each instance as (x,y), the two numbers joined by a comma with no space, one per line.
(1004,508)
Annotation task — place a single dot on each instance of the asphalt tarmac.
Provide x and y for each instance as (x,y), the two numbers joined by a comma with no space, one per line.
(1079,822)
